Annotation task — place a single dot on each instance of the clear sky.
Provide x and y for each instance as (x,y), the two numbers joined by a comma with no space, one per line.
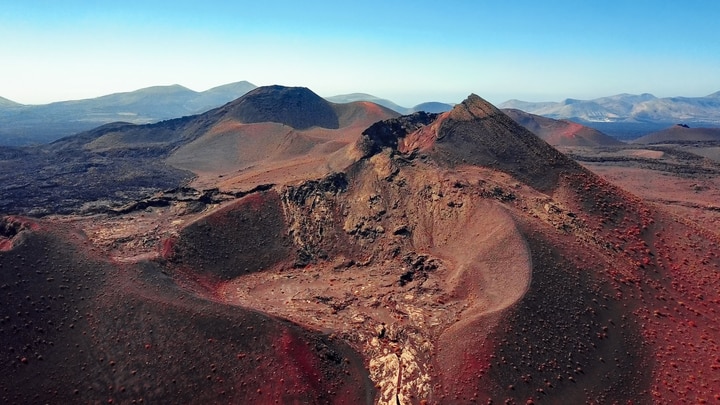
(406,51)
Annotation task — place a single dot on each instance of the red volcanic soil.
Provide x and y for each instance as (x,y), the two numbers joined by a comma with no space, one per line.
(453,258)
(691,199)
(561,132)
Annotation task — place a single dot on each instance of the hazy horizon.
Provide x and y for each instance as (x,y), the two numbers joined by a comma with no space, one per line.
(407,52)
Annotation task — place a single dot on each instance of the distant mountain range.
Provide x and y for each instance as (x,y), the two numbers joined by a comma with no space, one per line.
(35,124)
(27,124)
(628,107)
(623,116)
(627,116)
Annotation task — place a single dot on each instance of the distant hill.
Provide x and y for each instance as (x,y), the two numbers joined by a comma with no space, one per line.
(296,107)
(628,107)
(560,132)
(431,107)
(680,134)
(349,98)
(8,103)
(31,124)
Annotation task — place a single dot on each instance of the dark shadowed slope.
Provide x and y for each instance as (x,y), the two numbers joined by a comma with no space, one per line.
(561,132)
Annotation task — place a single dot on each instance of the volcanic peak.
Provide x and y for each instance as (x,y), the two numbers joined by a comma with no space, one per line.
(476,132)
(474,107)
(297,107)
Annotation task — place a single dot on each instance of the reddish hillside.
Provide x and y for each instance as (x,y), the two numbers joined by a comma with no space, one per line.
(561,132)
(487,281)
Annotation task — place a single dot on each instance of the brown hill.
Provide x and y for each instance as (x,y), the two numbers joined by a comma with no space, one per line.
(453,258)
(680,134)
(245,155)
(561,132)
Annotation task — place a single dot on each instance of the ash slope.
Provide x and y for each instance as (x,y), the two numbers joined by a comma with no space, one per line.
(77,328)
(466,259)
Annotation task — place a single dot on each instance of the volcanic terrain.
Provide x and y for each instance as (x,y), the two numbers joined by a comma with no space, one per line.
(310,252)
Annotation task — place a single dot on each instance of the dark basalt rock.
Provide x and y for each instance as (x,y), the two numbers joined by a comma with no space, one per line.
(385,134)
(333,183)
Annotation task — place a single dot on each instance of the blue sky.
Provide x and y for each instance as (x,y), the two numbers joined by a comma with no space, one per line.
(406,51)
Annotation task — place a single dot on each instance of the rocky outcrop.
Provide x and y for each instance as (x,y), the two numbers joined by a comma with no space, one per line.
(310,210)
(386,133)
